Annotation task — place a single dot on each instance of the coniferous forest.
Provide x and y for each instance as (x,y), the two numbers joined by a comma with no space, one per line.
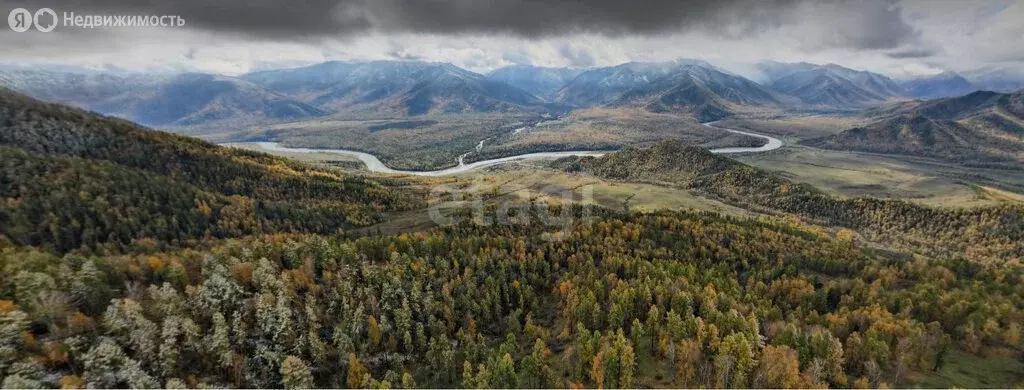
(133,258)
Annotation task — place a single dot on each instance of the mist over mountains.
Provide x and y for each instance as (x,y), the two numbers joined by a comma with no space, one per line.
(396,88)
(540,81)
(946,84)
(414,88)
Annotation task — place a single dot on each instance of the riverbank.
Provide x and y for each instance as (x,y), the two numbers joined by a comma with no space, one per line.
(373,164)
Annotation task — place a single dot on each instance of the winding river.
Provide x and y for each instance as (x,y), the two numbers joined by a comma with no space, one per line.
(374,164)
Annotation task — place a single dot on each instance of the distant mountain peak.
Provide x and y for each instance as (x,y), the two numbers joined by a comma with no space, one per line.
(706,93)
(458,72)
(832,85)
(945,84)
(397,88)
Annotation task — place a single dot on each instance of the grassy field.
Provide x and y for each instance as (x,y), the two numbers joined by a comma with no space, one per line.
(798,127)
(436,141)
(509,188)
(545,184)
(851,174)
(531,182)
(926,181)
(605,128)
(429,142)
(964,370)
(844,174)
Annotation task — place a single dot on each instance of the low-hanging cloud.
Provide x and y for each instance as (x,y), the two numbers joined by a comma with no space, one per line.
(234,36)
(911,53)
(862,25)
(858,24)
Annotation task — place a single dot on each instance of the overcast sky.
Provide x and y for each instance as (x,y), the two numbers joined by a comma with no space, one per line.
(898,38)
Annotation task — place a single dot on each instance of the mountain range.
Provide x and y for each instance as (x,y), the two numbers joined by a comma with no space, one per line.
(704,92)
(384,88)
(602,86)
(981,126)
(831,85)
(158,100)
(413,88)
(998,79)
(946,84)
(396,88)
(192,99)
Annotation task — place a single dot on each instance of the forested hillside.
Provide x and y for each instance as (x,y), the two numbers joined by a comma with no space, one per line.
(163,100)
(133,258)
(73,179)
(991,234)
(665,299)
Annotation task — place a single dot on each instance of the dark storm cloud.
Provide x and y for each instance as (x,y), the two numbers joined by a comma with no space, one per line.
(553,17)
(911,53)
(865,24)
(260,18)
(860,24)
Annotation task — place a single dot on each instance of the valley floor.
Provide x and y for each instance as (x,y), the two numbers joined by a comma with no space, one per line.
(920,180)
(438,141)
(844,174)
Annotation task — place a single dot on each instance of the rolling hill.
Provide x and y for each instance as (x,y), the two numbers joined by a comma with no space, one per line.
(981,126)
(939,232)
(73,179)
